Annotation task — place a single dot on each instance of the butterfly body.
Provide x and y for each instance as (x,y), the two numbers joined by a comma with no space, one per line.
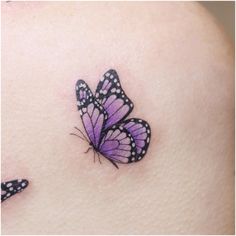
(104,119)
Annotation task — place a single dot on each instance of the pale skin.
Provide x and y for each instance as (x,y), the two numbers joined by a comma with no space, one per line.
(176,65)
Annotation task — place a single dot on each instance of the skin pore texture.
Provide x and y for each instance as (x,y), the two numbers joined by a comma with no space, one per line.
(176,65)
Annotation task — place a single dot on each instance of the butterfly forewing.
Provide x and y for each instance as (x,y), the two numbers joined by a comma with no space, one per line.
(92,113)
(118,145)
(141,133)
(113,98)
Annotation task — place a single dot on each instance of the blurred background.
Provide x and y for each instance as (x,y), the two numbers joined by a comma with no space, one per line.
(224,12)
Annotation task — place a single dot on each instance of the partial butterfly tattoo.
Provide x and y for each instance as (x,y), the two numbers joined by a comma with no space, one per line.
(109,133)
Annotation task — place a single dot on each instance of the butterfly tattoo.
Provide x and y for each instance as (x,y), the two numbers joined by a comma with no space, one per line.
(104,114)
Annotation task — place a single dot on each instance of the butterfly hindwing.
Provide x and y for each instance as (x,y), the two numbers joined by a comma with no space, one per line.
(141,133)
(112,97)
(92,113)
(118,145)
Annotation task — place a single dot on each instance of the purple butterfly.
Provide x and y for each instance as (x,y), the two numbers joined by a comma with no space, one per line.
(103,116)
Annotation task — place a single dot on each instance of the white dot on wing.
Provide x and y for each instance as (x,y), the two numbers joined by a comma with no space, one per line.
(107,74)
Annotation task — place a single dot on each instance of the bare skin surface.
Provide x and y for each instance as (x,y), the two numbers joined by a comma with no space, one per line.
(175,64)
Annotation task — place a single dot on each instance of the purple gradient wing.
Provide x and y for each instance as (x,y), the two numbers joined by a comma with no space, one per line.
(118,145)
(141,133)
(92,113)
(113,98)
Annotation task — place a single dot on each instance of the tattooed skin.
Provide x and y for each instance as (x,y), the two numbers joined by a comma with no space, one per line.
(109,133)
(12,187)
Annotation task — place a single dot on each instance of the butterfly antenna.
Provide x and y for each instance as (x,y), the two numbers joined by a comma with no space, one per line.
(81,133)
(93,156)
(78,136)
(88,150)
(99,158)
(113,163)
